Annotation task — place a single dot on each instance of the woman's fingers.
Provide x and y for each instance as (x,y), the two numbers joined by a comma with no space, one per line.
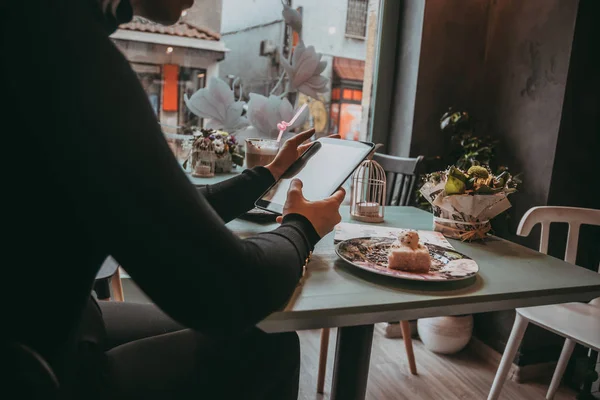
(303,147)
(301,137)
(339,196)
(295,191)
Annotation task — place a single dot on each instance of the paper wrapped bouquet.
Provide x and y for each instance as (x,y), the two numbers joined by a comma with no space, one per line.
(464,202)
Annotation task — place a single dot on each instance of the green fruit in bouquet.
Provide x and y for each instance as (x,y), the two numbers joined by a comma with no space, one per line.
(477,171)
(454,186)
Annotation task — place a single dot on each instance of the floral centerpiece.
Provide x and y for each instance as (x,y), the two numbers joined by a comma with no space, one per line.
(220,146)
(463,202)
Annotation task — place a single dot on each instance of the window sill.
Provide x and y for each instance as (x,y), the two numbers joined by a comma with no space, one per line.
(357,37)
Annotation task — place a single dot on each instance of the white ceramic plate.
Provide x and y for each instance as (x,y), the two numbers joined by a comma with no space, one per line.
(370,254)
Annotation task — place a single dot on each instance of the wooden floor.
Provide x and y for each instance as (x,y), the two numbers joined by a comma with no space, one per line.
(457,377)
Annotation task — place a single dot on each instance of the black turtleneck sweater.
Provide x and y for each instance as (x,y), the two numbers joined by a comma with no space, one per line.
(87,173)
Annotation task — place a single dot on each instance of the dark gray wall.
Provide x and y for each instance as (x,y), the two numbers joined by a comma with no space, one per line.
(521,96)
(576,162)
(578,148)
(450,67)
(507,62)
(445,71)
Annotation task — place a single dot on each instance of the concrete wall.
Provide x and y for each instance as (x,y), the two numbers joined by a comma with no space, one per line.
(325,26)
(527,60)
(241,14)
(507,62)
(522,98)
(257,72)
(324,23)
(450,53)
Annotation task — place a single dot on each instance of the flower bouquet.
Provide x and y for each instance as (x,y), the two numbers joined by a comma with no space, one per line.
(464,202)
(216,149)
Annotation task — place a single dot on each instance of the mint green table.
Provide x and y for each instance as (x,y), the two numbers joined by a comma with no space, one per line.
(337,294)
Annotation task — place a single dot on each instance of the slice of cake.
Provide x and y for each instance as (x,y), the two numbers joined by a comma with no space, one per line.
(408,255)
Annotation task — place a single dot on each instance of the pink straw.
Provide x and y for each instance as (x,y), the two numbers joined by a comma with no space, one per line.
(282,126)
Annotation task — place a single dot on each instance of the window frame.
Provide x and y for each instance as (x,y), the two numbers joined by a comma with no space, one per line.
(384,70)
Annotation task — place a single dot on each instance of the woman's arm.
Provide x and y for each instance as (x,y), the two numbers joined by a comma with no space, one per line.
(247,187)
(235,196)
(133,199)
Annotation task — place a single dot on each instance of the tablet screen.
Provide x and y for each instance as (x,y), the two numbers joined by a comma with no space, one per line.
(322,170)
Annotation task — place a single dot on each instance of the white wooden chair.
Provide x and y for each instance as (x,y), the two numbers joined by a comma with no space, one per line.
(577,322)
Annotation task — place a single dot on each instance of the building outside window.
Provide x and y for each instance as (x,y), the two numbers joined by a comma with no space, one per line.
(188,81)
(171,61)
(346,97)
(255,35)
(150,76)
(242,43)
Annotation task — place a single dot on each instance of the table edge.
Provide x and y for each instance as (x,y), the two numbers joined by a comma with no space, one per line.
(362,315)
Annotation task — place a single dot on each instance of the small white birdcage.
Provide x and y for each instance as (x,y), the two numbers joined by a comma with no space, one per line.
(368,192)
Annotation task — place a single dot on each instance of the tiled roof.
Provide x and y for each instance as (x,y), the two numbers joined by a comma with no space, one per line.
(348,68)
(183,29)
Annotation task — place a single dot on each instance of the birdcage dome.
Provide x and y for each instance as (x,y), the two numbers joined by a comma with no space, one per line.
(368,192)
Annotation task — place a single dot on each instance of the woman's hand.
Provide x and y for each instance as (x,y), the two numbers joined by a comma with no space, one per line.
(324,215)
(290,151)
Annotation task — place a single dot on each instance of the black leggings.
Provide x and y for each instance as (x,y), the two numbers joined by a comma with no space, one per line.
(151,356)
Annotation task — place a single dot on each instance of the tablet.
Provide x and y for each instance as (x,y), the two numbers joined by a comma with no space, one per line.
(323,169)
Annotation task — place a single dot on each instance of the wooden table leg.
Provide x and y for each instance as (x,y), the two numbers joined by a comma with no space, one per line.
(117,287)
(323,360)
(352,358)
(406,335)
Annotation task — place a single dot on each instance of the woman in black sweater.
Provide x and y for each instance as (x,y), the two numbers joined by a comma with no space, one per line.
(89,174)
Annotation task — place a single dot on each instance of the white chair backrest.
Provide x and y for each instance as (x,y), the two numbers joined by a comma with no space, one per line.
(545,215)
